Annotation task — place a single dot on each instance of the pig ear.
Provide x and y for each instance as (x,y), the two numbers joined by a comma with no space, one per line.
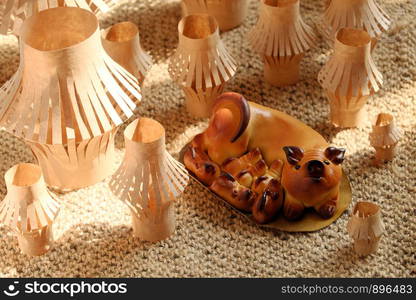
(336,155)
(293,154)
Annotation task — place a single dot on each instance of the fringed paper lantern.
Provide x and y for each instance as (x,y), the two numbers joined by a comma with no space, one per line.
(29,209)
(122,43)
(16,11)
(149,180)
(350,77)
(68,97)
(385,137)
(366,227)
(201,65)
(228,13)
(281,38)
(360,14)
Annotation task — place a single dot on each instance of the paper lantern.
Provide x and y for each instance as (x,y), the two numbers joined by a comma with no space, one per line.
(385,137)
(122,43)
(68,97)
(29,209)
(281,38)
(361,14)
(16,11)
(149,180)
(350,77)
(366,227)
(201,65)
(228,13)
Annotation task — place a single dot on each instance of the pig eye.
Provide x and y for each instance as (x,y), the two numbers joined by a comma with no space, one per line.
(297,167)
(326,162)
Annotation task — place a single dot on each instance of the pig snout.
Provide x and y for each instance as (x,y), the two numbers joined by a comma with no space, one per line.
(315,169)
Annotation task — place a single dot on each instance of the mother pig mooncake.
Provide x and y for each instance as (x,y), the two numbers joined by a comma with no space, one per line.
(264,161)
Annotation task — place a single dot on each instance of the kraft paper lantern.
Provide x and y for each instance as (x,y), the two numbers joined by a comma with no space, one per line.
(366,228)
(16,11)
(122,43)
(68,97)
(29,209)
(228,13)
(350,77)
(149,180)
(201,65)
(281,38)
(384,138)
(361,14)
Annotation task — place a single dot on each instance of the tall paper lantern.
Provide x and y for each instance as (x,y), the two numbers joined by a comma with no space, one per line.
(385,137)
(350,77)
(29,209)
(68,97)
(361,14)
(16,11)
(149,180)
(201,65)
(365,227)
(228,13)
(122,43)
(281,38)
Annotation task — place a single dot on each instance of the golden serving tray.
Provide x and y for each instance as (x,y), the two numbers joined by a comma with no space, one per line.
(310,222)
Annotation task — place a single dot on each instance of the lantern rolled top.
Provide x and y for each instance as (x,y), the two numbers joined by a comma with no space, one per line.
(45,32)
(23,176)
(16,11)
(353,43)
(198,32)
(122,32)
(228,13)
(286,8)
(145,139)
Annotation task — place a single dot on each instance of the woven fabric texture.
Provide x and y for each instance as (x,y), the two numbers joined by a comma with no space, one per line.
(93,230)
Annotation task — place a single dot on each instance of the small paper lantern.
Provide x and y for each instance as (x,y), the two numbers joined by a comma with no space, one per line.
(149,180)
(281,38)
(68,97)
(384,137)
(16,11)
(201,65)
(350,77)
(366,227)
(29,209)
(228,13)
(122,43)
(360,14)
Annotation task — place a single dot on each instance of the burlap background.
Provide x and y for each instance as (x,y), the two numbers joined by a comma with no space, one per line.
(93,233)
